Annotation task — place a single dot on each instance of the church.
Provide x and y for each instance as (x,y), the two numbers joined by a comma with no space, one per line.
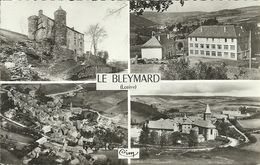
(56,30)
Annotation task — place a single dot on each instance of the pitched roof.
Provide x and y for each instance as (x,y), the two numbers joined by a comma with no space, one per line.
(166,124)
(219,31)
(152,43)
(203,123)
(207,110)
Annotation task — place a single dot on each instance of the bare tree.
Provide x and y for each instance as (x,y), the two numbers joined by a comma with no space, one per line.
(96,34)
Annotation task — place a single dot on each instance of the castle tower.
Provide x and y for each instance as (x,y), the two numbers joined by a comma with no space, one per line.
(32,26)
(60,27)
(207,113)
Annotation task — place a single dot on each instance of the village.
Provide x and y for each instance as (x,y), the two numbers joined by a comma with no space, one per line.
(190,128)
(64,135)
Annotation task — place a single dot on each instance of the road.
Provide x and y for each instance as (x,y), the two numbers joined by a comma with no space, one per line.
(67,92)
(13,121)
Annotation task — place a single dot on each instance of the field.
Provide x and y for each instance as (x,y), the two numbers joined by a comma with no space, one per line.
(255,146)
(232,66)
(250,123)
(192,105)
(217,156)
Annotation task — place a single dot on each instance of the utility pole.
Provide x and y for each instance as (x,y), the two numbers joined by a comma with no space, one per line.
(250,50)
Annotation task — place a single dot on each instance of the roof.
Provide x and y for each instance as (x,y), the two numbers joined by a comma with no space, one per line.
(207,109)
(203,123)
(163,124)
(152,43)
(219,31)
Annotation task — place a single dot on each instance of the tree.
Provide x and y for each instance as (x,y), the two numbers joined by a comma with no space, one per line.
(163,139)
(211,21)
(181,70)
(96,34)
(160,6)
(144,135)
(154,137)
(178,26)
(193,138)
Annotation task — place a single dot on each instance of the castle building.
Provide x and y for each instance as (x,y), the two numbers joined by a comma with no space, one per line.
(220,41)
(42,27)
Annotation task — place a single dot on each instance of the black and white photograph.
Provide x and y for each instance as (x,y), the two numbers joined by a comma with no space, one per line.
(62,40)
(62,124)
(196,40)
(197,123)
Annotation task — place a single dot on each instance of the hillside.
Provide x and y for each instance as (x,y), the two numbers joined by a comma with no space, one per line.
(223,16)
(141,112)
(196,104)
(140,21)
(8,37)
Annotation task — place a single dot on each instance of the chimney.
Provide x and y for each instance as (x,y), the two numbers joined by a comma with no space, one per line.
(40,12)
(159,38)
(225,29)
(72,28)
(168,35)
(153,33)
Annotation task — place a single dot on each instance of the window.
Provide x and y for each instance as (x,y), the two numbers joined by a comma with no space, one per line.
(219,47)
(212,39)
(207,53)
(207,46)
(207,39)
(202,52)
(219,54)
(213,46)
(246,46)
(196,39)
(225,39)
(196,52)
(196,45)
(226,47)
(191,51)
(232,55)
(211,131)
(191,39)
(232,40)
(225,54)
(201,45)
(232,47)
(213,53)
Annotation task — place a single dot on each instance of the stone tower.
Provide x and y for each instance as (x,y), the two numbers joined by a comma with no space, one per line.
(207,113)
(32,26)
(60,27)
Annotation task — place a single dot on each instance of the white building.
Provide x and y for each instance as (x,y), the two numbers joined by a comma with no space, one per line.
(221,41)
(152,49)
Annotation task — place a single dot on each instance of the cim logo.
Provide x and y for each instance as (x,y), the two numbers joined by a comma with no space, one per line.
(125,153)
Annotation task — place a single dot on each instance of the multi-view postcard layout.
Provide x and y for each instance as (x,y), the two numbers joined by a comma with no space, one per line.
(56,41)
(130,82)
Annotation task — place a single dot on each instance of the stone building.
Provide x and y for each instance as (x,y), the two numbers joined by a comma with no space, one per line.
(42,27)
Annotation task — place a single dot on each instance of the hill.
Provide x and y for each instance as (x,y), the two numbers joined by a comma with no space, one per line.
(140,21)
(237,15)
(141,112)
(8,37)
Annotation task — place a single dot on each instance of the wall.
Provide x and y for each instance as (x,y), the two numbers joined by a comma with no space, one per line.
(216,42)
(169,50)
(45,28)
(151,53)
(75,41)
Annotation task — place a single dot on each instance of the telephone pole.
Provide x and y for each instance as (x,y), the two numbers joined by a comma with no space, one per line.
(250,50)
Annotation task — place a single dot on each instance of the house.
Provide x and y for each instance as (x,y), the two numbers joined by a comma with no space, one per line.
(220,41)
(42,27)
(160,46)
(160,125)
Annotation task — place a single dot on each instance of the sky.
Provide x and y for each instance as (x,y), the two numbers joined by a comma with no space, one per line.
(206,88)
(80,15)
(210,5)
